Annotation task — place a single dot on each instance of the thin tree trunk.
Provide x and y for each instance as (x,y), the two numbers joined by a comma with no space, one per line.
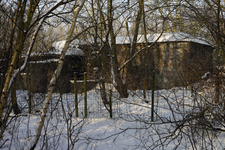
(133,45)
(15,106)
(118,82)
(102,57)
(19,47)
(12,73)
(11,80)
(57,72)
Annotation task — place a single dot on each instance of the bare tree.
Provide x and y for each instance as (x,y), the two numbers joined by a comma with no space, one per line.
(23,23)
(33,142)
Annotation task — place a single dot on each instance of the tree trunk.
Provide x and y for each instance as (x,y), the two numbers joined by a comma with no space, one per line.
(117,80)
(35,138)
(133,45)
(15,106)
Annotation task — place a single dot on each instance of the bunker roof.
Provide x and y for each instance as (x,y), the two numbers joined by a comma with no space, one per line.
(58,46)
(165,37)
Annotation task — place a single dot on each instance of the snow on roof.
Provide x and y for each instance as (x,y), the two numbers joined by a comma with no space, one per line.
(73,47)
(44,61)
(72,50)
(166,37)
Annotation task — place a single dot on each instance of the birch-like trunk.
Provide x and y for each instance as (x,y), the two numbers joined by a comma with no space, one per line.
(15,58)
(11,80)
(35,138)
(21,36)
(12,72)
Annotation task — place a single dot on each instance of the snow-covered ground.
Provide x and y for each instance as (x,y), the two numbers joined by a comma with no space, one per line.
(130,128)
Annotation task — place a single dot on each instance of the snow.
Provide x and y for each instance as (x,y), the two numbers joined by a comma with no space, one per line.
(166,37)
(73,47)
(206,75)
(44,61)
(82,81)
(130,127)
(58,46)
